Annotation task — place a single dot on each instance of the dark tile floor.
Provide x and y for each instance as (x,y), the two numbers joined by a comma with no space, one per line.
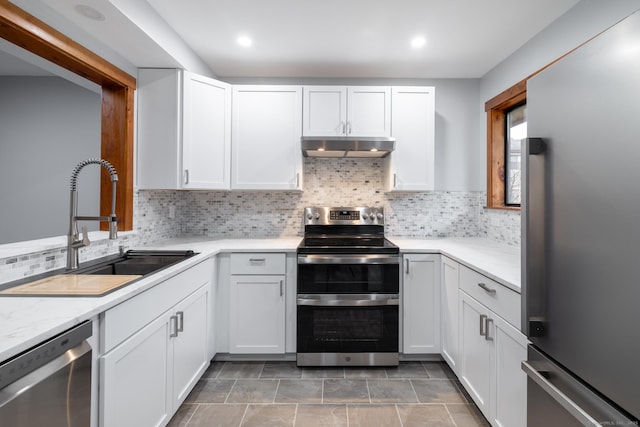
(281,394)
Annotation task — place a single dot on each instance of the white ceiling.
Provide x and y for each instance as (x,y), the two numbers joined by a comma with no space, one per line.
(357,38)
(322,38)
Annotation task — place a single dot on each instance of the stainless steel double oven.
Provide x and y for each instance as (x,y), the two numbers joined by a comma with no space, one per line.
(347,289)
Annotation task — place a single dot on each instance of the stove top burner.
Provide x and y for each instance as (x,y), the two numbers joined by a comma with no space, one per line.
(345,230)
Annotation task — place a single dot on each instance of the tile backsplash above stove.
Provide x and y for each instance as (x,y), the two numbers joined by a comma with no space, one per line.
(338,182)
(239,214)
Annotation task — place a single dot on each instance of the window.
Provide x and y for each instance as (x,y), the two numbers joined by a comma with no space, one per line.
(506,126)
(515,132)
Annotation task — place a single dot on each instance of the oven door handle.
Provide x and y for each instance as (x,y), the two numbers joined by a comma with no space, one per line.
(349,259)
(348,300)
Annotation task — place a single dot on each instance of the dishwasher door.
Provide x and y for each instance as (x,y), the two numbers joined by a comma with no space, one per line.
(49,385)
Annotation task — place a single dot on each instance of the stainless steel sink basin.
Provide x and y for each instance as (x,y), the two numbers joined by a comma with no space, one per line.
(137,262)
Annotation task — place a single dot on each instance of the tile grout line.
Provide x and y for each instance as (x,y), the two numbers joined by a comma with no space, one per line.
(235,381)
(276,393)
(446,407)
(398,414)
(197,405)
(246,409)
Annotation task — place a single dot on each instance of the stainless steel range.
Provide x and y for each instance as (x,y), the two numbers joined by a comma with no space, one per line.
(348,289)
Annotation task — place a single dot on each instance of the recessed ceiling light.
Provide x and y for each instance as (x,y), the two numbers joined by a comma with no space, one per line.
(418,42)
(244,41)
(89,12)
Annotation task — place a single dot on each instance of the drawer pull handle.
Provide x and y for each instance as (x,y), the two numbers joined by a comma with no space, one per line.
(486,288)
(257,260)
(483,325)
(180,321)
(488,322)
(173,326)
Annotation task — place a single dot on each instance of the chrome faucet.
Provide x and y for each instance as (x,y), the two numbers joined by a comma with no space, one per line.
(73,238)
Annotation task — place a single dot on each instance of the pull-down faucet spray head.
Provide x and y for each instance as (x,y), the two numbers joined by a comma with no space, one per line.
(73,240)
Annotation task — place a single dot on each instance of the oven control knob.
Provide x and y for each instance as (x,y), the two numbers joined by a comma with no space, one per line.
(365,216)
(379,216)
(317,215)
(309,216)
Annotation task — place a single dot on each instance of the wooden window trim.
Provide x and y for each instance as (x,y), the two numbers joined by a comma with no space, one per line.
(118,87)
(495,109)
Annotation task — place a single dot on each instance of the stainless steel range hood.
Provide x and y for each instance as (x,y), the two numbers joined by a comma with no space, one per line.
(347,146)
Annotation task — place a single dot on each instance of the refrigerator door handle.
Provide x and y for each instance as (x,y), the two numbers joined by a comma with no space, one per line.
(568,404)
(534,232)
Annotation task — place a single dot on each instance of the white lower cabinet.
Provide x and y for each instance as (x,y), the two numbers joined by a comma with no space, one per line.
(449,311)
(147,372)
(421,304)
(491,351)
(257,298)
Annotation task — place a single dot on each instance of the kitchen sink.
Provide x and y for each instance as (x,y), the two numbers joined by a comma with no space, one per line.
(116,271)
(136,262)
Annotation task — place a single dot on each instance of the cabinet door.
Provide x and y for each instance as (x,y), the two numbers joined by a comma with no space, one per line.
(159,98)
(509,408)
(191,344)
(134,379)
(257,314)
(411,166)
(476,352)
(324,110)
(421,304)
(369,111)
(206,142)
(449,307)
(266,135)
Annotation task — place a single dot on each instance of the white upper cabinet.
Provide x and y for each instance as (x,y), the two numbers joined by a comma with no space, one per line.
(266,131)
(411,166)
(347,111)
(184,131)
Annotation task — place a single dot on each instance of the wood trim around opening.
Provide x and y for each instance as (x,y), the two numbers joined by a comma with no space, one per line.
(28,32)
(495,109)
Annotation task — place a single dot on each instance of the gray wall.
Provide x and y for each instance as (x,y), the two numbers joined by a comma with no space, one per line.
(47,126)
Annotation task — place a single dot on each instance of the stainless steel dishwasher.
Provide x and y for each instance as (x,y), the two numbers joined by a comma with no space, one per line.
(49,384)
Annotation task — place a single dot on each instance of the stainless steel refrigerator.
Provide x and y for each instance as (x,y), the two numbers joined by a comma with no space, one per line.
(581,240)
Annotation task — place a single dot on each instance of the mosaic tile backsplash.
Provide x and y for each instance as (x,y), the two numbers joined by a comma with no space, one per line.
(261,214)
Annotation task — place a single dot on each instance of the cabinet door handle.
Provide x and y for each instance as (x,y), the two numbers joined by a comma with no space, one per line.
(483,325)
(173,326)
(186,176)
(298,180)
(486,288)
(406,261)
(395,180)
(348,128)
(179,321)
(488,323)
(281,289)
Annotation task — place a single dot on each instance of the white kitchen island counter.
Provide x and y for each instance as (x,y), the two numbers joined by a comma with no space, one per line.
(27,321)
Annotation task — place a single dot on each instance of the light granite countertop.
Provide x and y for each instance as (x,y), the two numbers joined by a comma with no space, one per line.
(27,321)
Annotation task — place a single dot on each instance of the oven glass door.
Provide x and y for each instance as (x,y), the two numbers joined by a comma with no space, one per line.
(335,274)
(347,329)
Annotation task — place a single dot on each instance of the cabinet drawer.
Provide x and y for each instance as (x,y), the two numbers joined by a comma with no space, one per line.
(258,263)
(127,318)
(496,297)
